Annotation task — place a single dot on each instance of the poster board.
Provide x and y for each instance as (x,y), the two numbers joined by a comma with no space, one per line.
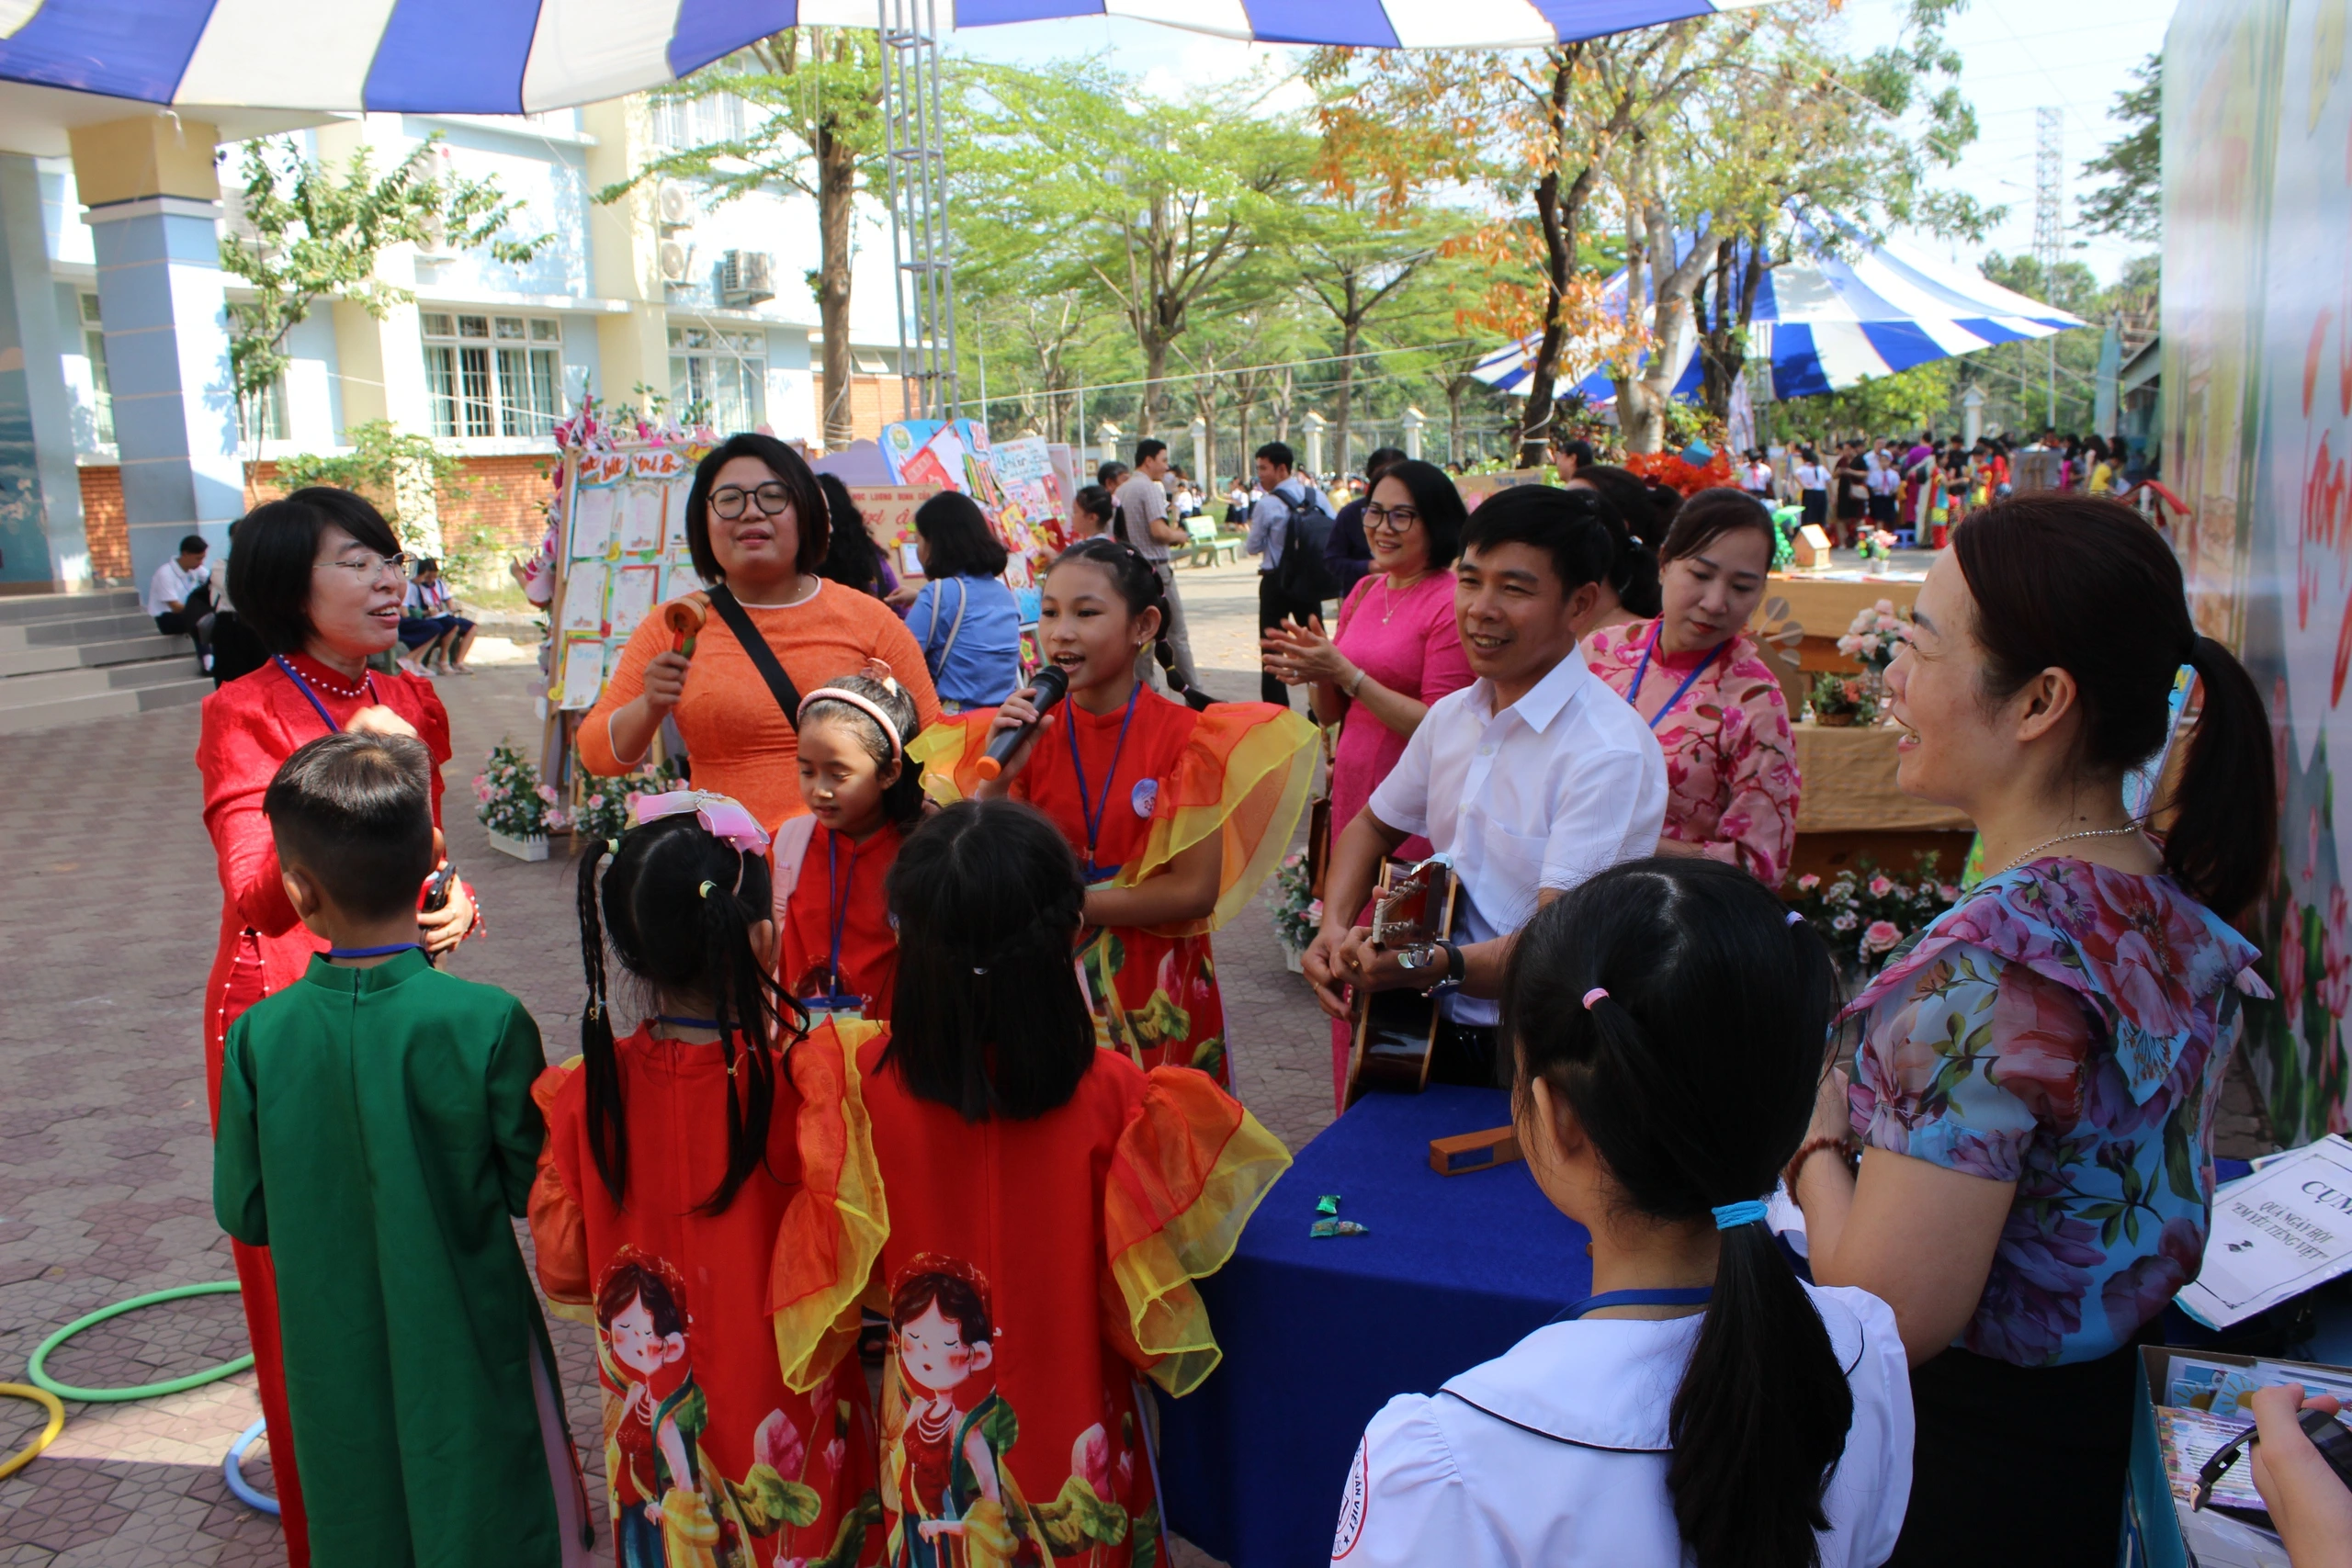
(1476,487)
(1021,485)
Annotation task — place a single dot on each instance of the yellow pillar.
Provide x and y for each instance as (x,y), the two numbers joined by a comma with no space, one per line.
(625,253)
(378,363)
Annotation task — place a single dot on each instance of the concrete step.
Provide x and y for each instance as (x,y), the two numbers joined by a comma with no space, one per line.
(143,643)
(103,704)
(55,685)
(18,609)
(79,628)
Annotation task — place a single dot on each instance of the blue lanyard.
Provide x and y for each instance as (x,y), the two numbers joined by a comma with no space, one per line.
(384,952)
(1087,808)
(1688,680)
(367,688)
(683,1023)
(1676,1296)
(839,903)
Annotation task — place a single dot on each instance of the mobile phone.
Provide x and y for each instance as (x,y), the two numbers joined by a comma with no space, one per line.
(435,895)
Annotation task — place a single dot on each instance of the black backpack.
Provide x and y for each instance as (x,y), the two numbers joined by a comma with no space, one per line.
(1303,575)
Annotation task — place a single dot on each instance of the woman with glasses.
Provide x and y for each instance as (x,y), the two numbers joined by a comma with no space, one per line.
(1703,687)
(1395,652)
(318,577)
(757,528)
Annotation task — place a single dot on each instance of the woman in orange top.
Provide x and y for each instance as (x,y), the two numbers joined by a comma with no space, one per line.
(840,954)
(756,527)
(1029,1211)
(1181,810)
(318,577)
(671,1157)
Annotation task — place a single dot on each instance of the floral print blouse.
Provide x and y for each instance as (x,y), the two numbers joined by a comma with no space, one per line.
(2063,1027)
(1731,766)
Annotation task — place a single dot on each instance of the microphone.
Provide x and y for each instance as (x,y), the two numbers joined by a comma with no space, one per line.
(1050,686)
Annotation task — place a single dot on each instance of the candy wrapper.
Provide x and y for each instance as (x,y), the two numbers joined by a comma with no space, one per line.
(1322,1229)
(1327,1204)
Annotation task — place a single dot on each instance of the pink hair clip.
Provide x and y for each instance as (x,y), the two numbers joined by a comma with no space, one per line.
(723,817)
(879,669)
(1596,994)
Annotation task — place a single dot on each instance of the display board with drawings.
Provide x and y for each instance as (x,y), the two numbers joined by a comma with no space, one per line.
(622,530)
(1020,485)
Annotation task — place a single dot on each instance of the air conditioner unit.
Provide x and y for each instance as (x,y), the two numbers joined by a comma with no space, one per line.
(744,277)
(673,204)
(677,261)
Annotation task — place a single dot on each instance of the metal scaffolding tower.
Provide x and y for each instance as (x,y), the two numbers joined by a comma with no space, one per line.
(922,249)
(2049,231)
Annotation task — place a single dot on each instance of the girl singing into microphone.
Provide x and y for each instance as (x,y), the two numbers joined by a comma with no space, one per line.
(1179,810)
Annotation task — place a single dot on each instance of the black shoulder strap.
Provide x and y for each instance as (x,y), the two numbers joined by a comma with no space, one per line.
(763,659)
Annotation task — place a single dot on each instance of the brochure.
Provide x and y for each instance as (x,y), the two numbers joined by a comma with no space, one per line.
(2283,1230)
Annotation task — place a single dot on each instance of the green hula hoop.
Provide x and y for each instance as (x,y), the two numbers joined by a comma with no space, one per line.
(36,1369)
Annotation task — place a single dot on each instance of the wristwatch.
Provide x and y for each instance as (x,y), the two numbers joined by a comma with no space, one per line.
(1427,953)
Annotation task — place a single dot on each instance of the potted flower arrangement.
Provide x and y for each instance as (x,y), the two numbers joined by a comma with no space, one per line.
(1865,914)
(516,809)
(1877,635)
(1298,914)
(603,804)
(1842,700)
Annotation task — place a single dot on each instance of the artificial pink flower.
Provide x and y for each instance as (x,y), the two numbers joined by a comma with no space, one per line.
(1880,936)
(1881,886)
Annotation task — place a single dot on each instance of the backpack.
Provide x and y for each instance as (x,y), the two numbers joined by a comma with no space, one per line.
(1303,575)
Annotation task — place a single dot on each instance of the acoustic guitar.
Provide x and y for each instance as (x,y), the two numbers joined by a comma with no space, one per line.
(1395,1032)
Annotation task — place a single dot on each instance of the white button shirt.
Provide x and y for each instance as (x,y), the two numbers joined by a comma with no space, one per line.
(173,580)
(1561,784)
(1555,1452)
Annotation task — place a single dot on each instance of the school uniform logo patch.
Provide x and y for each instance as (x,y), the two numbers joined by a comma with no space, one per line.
(1353,1505)
(1145,797)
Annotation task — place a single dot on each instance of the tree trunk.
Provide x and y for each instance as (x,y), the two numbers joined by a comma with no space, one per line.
(1455,388)
(1724,340)
(1351,338)
(836,193)
(1557,211)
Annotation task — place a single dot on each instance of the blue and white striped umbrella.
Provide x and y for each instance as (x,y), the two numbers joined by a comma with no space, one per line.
(519,56)
(1826,323)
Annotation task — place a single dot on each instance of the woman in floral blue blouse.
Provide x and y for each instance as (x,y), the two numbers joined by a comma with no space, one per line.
(2035,1086)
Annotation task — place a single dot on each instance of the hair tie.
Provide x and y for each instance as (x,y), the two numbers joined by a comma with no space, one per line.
(980,969)
(612,846)
(1797,917)
(1729,1216)
(707,888)
(1595,995)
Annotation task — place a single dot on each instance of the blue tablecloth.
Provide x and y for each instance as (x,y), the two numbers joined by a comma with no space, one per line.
(1319,1335)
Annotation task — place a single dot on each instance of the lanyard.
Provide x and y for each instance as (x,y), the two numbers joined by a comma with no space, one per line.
(838,902)
(1676,1296)
(367,688)
(384,952)
(1722,648)
(1087,808)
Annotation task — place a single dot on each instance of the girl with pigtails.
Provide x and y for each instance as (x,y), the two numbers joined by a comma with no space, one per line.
(1703,1407)
(1179,810)
(673,1155)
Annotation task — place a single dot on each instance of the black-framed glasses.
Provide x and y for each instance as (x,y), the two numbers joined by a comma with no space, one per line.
(1389,519)
(371,567)
(728,500)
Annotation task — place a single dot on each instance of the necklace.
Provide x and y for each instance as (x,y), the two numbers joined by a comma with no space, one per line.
(366,681)
(2063,838)
(1390,594)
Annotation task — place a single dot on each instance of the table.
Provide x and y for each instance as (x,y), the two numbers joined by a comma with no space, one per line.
(1848,776)
(1319,1335)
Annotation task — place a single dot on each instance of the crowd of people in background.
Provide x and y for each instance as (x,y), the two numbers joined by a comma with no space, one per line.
(1917,486)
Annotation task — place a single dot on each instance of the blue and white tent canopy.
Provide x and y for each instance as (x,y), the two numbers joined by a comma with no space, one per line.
(520,56)
(1825,323)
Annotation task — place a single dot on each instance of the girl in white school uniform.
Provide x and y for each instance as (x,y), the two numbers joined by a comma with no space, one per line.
(1704,1406)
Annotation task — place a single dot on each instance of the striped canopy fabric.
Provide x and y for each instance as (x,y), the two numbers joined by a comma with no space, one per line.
(521,56)
(1825,323)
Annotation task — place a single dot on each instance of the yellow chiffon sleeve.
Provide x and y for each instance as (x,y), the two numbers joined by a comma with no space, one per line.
(1188,1171)
(1245,775)
(832,1234)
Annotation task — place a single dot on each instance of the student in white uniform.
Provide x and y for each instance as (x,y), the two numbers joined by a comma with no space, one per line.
(1704,1406)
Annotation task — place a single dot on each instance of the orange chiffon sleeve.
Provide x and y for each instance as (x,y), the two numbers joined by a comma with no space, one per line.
(949,753)
(1185,1176)
(558,1230)
(832,1231)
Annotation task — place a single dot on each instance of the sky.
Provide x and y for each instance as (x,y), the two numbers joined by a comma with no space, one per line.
(2017,55)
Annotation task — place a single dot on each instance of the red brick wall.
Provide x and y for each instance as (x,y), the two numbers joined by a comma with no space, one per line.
(874,401)
(507,496)
(103,524)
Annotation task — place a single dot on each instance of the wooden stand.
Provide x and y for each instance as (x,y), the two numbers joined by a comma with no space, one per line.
(1466,1152)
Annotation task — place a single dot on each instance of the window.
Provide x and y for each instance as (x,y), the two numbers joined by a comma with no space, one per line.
(94,343)
(493,375)
(720,377)
(263,417)
(698,122)
(869,364)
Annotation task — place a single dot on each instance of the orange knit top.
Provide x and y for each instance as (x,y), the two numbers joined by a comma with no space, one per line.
(739,740)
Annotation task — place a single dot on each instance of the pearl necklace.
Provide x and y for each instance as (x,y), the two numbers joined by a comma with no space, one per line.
(2063,838)
(366,682)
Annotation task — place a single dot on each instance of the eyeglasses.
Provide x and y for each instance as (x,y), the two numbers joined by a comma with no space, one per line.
(728,500)
(1389,519)
(371,568)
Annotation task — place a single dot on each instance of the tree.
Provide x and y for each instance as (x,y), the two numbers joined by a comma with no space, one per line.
(2129,205)
(819,131)
(310,233)
(1353,261)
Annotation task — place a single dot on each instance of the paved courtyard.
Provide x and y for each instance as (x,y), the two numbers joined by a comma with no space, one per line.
(105,1151)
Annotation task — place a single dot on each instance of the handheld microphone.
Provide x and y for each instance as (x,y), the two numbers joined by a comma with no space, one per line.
(1050,686)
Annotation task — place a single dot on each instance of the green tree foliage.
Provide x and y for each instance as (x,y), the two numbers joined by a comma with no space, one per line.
(315,233)
(816,96)
(2129,204)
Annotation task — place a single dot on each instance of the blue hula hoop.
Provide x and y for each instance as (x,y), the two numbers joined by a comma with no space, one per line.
(233,1470)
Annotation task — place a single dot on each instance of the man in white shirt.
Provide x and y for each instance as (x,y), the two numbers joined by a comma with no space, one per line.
(1530,780)
(180,597)
(1140,517)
